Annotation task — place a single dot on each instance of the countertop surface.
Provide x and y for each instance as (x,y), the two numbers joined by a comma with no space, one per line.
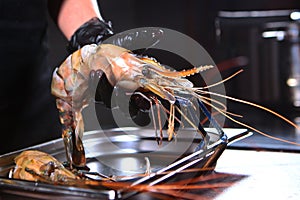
(262,175)
(247,175)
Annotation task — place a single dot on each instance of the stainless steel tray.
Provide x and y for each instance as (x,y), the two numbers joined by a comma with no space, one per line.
(121,152)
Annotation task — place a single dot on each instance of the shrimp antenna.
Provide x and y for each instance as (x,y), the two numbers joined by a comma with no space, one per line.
(220,82)
(257,106)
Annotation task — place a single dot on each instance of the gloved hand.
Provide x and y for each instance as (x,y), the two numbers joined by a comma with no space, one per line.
(95,31)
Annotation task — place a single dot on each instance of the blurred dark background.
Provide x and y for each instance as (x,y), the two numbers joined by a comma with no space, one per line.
(227,29)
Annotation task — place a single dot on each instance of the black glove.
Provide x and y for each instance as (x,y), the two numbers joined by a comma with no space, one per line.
(94,31)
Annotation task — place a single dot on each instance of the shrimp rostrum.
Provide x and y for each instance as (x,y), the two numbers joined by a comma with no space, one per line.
(122,67)
(70,85)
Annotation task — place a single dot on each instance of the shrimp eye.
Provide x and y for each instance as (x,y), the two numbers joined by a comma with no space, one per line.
(145,71)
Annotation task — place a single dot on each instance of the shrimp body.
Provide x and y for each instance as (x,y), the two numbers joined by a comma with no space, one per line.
(123,68)
(70,84)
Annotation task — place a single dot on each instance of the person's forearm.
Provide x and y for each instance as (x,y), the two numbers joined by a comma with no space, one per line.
(71,14)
